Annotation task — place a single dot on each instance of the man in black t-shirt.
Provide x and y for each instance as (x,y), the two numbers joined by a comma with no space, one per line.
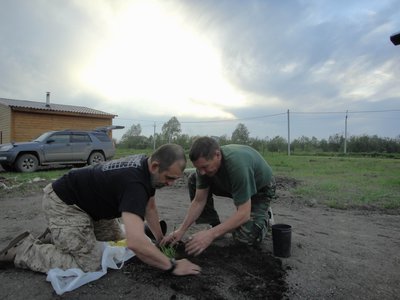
(80,205)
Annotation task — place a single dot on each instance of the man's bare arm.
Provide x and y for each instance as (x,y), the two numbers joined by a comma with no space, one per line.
(147,252)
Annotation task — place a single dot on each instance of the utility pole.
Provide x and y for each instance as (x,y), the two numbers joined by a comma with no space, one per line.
(288,133)
(154,136)
(345,133)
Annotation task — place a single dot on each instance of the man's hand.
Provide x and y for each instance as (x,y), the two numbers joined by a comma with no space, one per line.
(173,238)
(197,243)
(186,267)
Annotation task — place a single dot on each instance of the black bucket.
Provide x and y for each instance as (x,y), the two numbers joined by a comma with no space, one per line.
(282,239)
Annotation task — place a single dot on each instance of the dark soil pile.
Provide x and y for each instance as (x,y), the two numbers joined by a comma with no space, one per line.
(228,272)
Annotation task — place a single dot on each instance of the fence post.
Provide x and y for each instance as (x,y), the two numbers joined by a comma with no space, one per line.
(288,129)
(345,133)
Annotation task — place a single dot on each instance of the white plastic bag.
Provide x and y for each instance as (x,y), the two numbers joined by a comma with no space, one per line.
(68,280)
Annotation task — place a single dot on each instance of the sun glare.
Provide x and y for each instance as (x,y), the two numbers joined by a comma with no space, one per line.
(152,58)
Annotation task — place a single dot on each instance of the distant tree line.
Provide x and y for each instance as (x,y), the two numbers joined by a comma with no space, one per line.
(171,133)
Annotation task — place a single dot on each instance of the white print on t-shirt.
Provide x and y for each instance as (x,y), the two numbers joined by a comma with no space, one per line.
(123,163)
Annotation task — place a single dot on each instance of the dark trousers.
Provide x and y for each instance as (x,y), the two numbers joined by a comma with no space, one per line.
(209,215)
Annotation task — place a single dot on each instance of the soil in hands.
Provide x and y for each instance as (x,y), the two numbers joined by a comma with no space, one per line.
(229,271)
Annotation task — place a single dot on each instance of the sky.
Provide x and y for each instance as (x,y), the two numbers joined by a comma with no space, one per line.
(295,68)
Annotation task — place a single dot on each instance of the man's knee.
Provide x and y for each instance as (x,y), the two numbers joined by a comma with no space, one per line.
(81,244)
(250,233)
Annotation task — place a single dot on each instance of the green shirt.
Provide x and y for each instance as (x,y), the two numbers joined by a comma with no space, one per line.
(242,173)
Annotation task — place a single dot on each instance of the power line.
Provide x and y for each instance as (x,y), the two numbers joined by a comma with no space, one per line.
(206,121)
(268,116)
(232,120)
(373,111)
(317,112)
(132,119)
(344,112)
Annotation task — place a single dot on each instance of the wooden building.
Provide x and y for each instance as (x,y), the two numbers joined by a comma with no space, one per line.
(22,120)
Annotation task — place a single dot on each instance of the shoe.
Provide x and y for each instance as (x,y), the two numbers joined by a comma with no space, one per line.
(7,255)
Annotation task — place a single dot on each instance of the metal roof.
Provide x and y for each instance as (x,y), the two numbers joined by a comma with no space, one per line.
(52,107)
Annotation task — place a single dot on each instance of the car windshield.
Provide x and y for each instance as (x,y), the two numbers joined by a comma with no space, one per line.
(42,137)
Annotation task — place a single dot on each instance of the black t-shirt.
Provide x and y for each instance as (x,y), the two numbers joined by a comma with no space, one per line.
(106,190)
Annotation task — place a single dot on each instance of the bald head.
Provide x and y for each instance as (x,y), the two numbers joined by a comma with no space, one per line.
(168,154)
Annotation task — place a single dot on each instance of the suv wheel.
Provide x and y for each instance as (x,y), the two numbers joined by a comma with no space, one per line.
(27,163)
(95,158)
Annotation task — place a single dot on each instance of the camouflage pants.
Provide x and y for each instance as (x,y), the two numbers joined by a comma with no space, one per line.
(253,231)
(74,237)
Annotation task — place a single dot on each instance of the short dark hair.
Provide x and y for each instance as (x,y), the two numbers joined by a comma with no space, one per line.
(168,154)
(203,147)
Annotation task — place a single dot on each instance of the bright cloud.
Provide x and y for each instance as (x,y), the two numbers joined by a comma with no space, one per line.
(149,60)
(150,57)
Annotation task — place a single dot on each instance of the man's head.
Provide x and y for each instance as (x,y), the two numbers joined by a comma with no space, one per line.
(206,156)
(167,164)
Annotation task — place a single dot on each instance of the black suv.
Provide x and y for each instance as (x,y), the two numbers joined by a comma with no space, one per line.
(65,147)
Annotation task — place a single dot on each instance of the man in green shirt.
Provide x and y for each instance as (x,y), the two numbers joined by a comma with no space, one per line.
(235,171)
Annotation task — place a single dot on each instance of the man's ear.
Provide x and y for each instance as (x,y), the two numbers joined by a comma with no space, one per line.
(218,154)
(154,166)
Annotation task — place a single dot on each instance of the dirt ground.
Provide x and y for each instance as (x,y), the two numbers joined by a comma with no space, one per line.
(335,254)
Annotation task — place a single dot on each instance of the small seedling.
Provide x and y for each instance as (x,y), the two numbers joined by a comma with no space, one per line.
(168,250)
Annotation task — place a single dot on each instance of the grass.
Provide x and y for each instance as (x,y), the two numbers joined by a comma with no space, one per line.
(339,182)
(343,182)
(125,152)
(168,251)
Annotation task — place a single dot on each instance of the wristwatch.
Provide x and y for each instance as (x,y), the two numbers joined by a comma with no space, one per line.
(173,266)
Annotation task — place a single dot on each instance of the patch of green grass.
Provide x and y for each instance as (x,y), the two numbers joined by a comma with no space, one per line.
(343,182)
(335,181)
(25,184)
(121,152)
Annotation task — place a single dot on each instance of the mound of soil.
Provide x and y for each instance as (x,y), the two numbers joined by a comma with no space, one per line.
(229,271)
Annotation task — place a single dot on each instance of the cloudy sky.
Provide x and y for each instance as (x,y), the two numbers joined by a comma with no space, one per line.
(212,64)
